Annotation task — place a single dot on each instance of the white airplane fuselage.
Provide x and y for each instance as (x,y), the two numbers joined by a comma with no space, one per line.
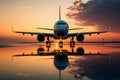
(61,29)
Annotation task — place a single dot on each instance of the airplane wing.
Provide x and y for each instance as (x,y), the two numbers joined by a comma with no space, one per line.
(53,29)
(54,53)
(87,33)
(35,33)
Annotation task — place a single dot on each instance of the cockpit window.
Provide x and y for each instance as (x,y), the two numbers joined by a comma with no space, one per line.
(61,23)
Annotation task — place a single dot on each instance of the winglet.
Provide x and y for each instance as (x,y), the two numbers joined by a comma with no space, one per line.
(59,13)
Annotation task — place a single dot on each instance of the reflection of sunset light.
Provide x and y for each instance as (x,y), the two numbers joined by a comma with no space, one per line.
(56,46)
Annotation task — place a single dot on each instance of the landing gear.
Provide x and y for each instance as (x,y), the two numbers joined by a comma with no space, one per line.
(61,44)
(72,43)
(48,42)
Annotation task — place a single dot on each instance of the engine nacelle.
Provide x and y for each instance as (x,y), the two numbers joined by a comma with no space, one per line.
(40,37)
(80,51)
(40,51)
(80,37)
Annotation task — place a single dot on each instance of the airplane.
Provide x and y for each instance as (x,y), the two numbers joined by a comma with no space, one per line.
(41,52)
(61,31)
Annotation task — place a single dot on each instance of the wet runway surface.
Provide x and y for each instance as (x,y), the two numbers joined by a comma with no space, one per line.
(35,61)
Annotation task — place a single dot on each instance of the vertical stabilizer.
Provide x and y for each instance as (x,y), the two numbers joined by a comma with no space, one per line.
(59,13)
(59,74)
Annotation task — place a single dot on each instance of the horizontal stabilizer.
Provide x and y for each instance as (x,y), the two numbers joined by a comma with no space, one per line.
(75,28)
(45,28)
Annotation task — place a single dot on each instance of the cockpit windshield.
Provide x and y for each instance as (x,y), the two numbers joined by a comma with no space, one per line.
(61,23)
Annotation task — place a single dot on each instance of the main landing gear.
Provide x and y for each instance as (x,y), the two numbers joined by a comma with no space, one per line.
(48,42)
(72,42)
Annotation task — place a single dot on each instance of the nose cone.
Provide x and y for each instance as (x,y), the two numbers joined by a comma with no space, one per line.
(60,32)
(61,61)
(61,28)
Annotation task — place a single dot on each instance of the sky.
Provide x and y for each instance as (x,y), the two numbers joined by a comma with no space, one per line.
(26,15)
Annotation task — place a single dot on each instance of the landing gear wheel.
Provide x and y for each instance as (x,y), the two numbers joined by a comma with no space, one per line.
(61,44)
(72,44)
(48,43)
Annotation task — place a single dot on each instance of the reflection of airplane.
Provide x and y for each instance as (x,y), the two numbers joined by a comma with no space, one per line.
(41,52)
(61,60)
(60,30)
(96,67)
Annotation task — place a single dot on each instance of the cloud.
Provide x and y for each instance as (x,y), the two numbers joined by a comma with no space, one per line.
(100,13)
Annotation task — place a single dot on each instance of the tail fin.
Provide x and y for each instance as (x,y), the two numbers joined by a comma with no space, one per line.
(59,13)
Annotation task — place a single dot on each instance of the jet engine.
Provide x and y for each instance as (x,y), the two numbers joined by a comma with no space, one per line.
(40,37)
(80,51)
(40,51)
(80,37)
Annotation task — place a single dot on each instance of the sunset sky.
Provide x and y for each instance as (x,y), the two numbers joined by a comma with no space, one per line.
(26,15)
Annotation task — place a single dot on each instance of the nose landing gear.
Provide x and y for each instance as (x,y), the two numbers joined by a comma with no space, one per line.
(72,42)
(61,44)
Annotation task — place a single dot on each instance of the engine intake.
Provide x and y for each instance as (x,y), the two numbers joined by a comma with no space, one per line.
(80,37)
(40,37)
(80,51)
